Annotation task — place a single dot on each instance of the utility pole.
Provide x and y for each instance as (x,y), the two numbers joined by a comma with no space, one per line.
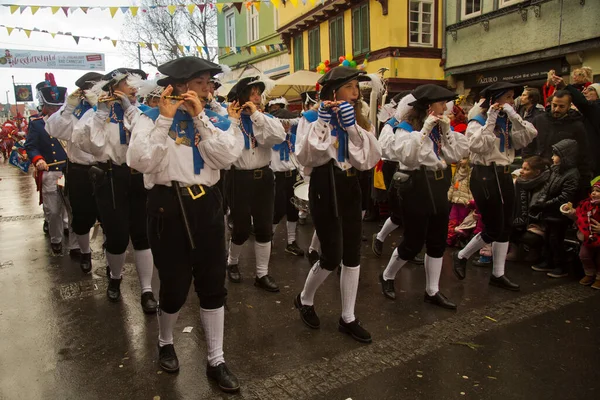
(16,100)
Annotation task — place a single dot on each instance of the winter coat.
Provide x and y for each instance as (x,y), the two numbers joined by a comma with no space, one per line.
(563,183)
(460,189)
(528,192)
(591,115)
(586,211)
(529,116)
(552,130)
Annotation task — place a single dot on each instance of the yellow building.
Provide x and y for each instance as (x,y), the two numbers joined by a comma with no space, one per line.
(404,36)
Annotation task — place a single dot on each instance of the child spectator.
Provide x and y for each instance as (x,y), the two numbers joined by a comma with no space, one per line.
(560,188)
(587,217)
(461,199)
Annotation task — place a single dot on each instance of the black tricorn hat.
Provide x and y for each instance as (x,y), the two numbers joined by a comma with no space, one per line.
(185,68)
(41,85)
(338,76)
(495,90)
(216,82)
(236,90)
(53,96)
(87,80)
(429,94)
(310,97)
(111,77)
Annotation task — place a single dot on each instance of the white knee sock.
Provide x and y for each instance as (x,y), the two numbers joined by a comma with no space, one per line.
(234,253)
(315,244)
(433,270)
(291,231)
(84,243)
(166,324)
(316,276)
(499,251)
(262,252)
(144,263)
(393,266)
(213,323)
(472,247)
(115,262)
(72,240)
(387,228)
(349,289)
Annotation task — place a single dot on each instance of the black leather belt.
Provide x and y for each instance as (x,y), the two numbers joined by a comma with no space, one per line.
(105,166)
(194,191)
(434,175)
(256,173)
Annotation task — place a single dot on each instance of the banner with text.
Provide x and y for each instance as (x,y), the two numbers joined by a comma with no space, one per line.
(13,58)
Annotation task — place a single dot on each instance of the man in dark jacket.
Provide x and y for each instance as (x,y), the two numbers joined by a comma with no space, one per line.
(589,105)
(560,123)
(529,106)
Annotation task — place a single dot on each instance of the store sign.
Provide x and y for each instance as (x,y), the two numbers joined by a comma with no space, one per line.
(517,73)
(12,58)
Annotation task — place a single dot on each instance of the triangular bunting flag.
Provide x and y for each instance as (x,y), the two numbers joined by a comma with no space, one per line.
(219,7)
(199,49)
(36,30)
(304,2)
(124,10)
(53,35)
(248,5)
(155,46)
(238,49)
(22,8)
(187,48)
(114,42)
(172,8)
(312,2)
(191,8)
(276,3)
(272,47)
(66,11)
(248,50)
(253,48)
(113,11)
(84,9)
(9,30)
(54,9)
(34,9)
(257,5)
(238,6)
(148,45)
(13,9)
(294,3)
(73,9)
(133,10)
(27,32)
(180,47)
(142,44)
(76,39)
(227,49)
(206,50)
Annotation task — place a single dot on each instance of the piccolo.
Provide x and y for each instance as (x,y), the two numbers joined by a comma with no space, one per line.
(107,99)
(174,97)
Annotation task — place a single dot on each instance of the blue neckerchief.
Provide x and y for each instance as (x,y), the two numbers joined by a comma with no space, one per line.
(247,125)
(289,144)
(405,126)
(81,109)
(310,115)
(117,114)
(188,131)
(436,138)
(394,123)
(501,125)
(342,137)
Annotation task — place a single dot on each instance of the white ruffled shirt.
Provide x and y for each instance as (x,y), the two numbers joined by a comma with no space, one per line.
(61,125)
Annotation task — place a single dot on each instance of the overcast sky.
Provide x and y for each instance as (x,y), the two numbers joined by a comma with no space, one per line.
(96,23)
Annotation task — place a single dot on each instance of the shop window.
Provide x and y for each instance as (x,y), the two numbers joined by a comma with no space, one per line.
(470,8)
(314,48)
(421,17)
(252,23)
(230,29)
(298,53)
(361,40)
(336,37)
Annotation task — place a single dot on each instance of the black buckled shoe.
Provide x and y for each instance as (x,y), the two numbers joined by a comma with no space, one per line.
(307,314)
(56,248)
(417,260)
(113,292)
(267,283)
(294,249)
(85,262)
(313,257)
(167,358)
(149,303)
(504,283)
(459,265)
(226,380)
(355,330)
(376,245)
(387,287)
(233,273)
(440,300)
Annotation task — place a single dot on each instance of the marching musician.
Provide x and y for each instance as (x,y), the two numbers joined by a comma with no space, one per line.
(79,187)
(49,157)
(425,146)
(495,131)
(251,180)
(336,143)
(180,148)
(119,189)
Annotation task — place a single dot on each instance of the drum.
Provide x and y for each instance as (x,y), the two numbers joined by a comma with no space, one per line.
(300,199)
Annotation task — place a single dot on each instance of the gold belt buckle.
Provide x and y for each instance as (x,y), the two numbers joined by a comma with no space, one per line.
(288,174)
(350,172)
(258,174)
(196,196)
(438,174)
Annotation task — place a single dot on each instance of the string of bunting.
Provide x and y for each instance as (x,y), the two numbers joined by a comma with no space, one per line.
(171,8)
(183,48)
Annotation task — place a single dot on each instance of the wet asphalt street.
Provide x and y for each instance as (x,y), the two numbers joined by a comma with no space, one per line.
(61,339)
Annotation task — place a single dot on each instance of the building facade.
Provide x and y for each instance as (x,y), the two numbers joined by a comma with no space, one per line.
(519,41)
(404,36)
(243,35)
